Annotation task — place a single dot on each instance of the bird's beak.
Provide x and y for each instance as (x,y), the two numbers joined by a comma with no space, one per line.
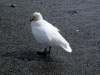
(31,19)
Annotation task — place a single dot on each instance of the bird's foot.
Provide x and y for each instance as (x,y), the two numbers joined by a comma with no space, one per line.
(43,53)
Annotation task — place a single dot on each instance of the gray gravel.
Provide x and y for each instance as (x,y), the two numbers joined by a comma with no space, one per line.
(79,22)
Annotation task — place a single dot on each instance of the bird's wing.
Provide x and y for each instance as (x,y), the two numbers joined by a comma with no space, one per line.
(48,25)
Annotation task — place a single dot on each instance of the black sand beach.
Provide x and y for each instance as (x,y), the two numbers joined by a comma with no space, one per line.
(79,22)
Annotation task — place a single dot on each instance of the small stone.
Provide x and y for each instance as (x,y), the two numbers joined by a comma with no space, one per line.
(12,5)
(75,11)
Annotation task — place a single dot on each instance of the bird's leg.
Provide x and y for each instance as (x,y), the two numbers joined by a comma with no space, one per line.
(49,50)
(45,51)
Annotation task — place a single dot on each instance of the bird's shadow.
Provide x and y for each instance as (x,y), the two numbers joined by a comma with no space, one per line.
(28,56)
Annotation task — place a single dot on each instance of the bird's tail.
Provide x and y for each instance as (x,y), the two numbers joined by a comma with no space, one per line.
(65,45)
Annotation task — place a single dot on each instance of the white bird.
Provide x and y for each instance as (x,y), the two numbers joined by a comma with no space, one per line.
(46,34)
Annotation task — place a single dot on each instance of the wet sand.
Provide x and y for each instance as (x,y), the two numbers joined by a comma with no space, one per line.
(79,22)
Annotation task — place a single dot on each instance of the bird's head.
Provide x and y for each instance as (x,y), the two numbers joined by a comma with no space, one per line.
(36,16)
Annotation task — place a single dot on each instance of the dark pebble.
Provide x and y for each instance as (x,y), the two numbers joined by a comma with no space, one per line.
(12,5)
(75,11)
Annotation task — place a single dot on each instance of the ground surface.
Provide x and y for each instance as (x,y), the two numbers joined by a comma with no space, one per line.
(79,22)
